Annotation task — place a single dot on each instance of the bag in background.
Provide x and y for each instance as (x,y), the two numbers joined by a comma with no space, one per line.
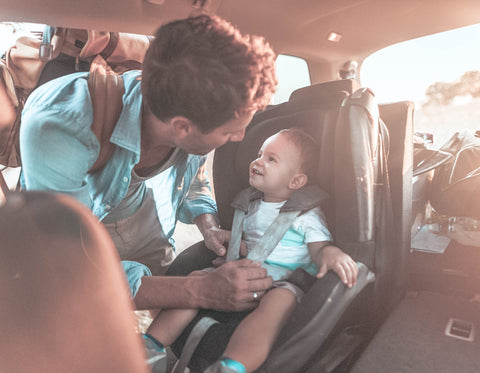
(455,188)
(33,61)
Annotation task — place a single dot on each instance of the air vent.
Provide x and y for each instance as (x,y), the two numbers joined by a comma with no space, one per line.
(460,329)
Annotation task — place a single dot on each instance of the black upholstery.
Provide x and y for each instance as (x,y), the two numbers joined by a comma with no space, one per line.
(352,169)
(398,118)
(314,108)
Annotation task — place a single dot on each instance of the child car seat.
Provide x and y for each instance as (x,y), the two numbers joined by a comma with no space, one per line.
(351,169)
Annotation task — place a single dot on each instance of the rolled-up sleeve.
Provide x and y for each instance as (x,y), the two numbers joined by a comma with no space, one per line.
(199,197)
(135,272)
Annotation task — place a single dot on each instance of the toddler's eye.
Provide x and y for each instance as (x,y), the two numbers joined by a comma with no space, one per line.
(271,159)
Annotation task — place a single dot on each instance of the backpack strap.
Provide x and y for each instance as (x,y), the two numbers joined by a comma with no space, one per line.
(106,91)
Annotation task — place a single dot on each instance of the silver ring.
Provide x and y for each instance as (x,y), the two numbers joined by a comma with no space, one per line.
(255,295)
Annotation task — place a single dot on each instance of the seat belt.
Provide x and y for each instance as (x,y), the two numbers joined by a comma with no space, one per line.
(259,253)
(192,342)
(270,239)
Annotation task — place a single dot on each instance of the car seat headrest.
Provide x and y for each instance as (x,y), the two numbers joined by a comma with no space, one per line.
(312,121)
(326,93)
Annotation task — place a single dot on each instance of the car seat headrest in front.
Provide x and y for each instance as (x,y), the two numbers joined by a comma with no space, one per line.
(326,94)
(232,161)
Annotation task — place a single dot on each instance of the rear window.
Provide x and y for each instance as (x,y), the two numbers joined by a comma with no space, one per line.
(440,73)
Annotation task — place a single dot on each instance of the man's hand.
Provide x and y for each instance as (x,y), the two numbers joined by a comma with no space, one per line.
(232,286)
(216,239)
(329,257)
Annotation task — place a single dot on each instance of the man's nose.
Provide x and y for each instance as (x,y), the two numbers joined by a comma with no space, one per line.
(237,136)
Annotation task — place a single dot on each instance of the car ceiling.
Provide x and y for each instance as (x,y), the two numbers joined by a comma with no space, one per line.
(296,27)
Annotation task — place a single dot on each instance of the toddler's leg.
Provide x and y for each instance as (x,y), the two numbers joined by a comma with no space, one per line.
(169,324)
(253,339)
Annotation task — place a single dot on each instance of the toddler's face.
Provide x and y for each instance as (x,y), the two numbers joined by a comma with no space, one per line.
(277,163)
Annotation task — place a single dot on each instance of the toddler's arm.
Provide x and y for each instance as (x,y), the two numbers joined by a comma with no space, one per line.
(329,257)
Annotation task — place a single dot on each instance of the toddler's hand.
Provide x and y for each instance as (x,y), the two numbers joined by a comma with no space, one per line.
(342,264)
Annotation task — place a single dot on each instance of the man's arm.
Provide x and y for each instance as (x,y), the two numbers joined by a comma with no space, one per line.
(229,287)
(198,199)
(200,208)
(216,239)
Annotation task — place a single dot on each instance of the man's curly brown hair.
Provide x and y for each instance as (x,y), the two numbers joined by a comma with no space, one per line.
(204,69)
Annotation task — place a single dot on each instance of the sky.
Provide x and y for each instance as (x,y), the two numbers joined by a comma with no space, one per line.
(412,66)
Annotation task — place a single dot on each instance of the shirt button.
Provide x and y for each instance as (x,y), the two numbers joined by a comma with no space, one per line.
(108,207)
(125,179)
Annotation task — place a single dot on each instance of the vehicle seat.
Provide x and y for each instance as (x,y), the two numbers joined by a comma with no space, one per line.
(231,161)
(352,172)
(398,117)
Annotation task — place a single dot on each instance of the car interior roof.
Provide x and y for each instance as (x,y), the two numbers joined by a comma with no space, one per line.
(298,28)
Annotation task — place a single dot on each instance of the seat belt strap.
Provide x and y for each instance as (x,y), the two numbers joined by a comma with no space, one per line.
(192,342)
(272,236)
(269,240)
(233,251)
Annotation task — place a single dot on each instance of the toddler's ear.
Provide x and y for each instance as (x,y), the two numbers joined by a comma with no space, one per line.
(298,181)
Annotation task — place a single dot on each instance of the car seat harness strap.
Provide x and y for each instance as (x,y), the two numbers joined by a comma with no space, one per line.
(192,342)
(302,200)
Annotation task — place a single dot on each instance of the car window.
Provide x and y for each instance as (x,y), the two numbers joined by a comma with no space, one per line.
(292,73)
(11,31)
(440,73)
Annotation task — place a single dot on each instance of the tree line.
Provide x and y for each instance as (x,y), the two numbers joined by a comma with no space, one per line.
(443,92)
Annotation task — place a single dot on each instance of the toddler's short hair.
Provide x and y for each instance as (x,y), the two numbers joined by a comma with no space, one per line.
(308,148)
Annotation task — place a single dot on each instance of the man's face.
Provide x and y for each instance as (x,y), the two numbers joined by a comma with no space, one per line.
(233,130)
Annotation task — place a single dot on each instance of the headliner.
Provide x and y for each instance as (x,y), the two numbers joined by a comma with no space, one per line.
(297,27)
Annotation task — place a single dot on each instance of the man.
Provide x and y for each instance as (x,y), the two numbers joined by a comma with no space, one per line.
(201,83)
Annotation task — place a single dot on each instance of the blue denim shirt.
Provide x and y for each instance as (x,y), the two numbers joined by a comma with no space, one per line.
(135,272)
(58,148)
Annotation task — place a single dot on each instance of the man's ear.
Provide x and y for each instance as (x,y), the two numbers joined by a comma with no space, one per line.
(298,181)
(181,126)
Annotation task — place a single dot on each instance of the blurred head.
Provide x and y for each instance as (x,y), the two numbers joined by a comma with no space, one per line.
(202,68)
(284,164)
(65,300)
